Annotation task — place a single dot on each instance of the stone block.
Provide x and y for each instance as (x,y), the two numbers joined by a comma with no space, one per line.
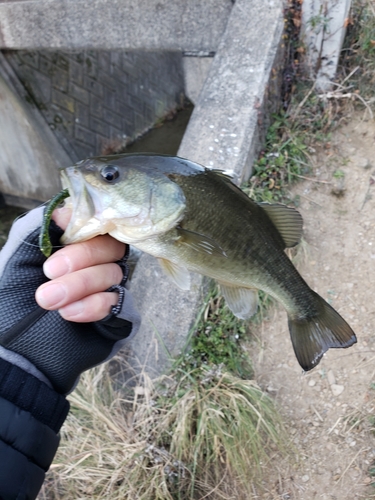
(64,121)
(93,86)
(62,61)
(46,66)
(96,106)
(39,88)
(79,93)
(60,80)
(109,97)
(98,126)
(63,100)
(111,117)
(84,135)
(76,72)
(104,61)
(30,59)
(82,115)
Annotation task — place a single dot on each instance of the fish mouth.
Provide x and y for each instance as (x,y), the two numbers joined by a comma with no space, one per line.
(82,225)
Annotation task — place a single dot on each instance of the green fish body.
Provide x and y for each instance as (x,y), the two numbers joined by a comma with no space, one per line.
(196,219)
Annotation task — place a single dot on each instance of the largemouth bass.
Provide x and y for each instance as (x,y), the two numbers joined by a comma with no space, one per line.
(195,219)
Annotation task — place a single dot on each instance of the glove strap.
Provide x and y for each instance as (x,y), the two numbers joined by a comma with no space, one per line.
(120,289)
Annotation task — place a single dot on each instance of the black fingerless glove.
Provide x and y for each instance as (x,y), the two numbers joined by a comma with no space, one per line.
(42,342)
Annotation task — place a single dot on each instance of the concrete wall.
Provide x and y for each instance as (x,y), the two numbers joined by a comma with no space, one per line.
(189,25)
(96,101)
(59,107)
(29,152)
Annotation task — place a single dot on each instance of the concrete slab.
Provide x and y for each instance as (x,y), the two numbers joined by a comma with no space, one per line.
(194,25)
(40,155)
(226,127)
(195,73)
(168,315)
(223,133)
(323,31)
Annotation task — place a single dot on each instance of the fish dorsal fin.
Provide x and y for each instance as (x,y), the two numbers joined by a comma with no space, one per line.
(200,242)
(243,302)
(287,221)
(222,174)
(178,274)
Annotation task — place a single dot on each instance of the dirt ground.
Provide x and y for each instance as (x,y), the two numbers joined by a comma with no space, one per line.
(330,411)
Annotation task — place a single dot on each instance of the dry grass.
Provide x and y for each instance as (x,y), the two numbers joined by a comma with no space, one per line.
(198,435)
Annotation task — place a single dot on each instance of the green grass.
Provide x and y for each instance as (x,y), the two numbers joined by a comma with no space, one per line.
(217,340)
(283,160)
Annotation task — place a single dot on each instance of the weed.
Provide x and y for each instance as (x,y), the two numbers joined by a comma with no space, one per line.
(191,434)
(217,340)
(283,159)
(358,52)
(338,174)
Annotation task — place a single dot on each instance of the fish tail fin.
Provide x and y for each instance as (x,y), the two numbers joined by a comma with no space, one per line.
(313,336)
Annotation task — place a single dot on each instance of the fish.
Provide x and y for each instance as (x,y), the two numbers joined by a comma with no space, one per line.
(195,219)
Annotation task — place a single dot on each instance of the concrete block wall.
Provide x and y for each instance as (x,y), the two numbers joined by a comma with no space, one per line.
(95,101)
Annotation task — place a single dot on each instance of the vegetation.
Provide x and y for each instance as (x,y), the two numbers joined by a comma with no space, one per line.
(205,429)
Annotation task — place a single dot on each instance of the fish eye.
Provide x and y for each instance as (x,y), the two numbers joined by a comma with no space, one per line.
(110,173)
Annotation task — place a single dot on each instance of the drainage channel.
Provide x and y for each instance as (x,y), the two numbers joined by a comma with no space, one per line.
(163,139)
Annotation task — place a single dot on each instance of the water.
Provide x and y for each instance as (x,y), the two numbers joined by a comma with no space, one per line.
(166,139)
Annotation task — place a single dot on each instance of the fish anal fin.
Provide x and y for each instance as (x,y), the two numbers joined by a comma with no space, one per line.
(178,274)
(199,242)
(287,220)
(243,302)
(312,337)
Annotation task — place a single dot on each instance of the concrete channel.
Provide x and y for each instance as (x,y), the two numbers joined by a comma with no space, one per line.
(231,60)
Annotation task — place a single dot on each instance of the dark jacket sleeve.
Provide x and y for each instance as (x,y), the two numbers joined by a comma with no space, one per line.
(31,415)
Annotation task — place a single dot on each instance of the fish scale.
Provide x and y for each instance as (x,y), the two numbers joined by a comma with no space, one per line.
(259,253)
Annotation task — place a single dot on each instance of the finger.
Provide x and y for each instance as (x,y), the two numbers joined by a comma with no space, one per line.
(99,250)
(62,216)
(92,308)
(75,286)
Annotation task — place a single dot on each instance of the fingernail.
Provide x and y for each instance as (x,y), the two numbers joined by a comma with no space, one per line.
(54,267)
(51,295)
(72,310)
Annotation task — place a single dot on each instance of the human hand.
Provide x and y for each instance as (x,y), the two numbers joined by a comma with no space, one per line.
(80,273)
(42,339)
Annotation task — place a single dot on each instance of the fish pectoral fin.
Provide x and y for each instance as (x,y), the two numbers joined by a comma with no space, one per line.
(178,274)
(312,337)
(287,221)
(243,302)
(199,242)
